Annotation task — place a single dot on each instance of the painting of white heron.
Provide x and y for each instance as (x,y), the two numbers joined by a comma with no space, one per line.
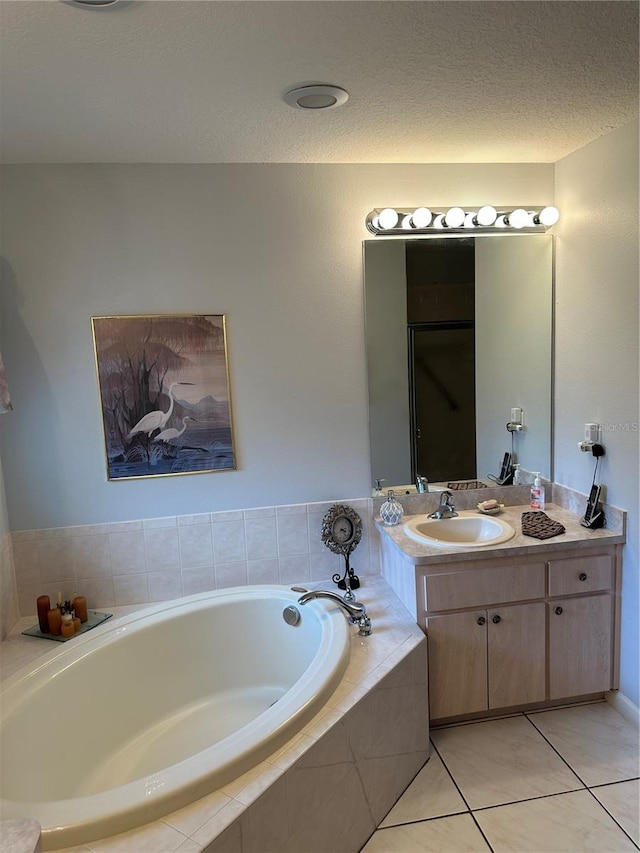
(163,382)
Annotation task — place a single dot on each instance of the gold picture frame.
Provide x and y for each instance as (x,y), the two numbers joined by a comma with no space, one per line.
(164,389)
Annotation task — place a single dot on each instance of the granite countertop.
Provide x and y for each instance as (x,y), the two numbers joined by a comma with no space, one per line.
(574,538)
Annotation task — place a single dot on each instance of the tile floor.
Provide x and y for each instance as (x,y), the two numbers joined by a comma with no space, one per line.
(565,780)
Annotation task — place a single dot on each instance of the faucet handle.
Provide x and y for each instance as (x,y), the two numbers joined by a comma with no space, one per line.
(364,626)
(378,485)
(422,484)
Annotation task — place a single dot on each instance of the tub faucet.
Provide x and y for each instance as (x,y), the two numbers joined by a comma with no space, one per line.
(446,509)
(355,610)
(422,485)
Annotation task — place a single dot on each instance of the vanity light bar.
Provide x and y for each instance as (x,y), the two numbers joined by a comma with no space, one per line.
(457,220)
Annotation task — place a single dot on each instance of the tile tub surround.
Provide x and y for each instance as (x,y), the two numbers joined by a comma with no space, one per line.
(355,757)
(9,612)
(157,559)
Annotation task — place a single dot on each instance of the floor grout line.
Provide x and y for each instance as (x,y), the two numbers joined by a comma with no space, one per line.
(613,818)
(529,799)
(562,758)
(481,831)
(444,764)
(617,782)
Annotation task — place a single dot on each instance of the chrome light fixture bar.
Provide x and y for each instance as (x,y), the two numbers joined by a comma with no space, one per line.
(402,222)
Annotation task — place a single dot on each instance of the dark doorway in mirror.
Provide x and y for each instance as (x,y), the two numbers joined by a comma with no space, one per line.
(441,342)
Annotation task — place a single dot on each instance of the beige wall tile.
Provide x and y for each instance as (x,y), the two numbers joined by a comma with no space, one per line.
(196,545)
(264,826)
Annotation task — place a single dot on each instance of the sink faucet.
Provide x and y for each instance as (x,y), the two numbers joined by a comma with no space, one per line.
(446,509)
(355,610)
(422,485)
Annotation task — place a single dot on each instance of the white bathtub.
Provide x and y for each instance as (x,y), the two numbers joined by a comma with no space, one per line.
(144,715)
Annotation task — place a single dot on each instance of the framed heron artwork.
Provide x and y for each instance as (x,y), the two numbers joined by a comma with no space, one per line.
(164,392)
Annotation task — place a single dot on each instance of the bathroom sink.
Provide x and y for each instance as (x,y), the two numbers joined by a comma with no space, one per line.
(466,530)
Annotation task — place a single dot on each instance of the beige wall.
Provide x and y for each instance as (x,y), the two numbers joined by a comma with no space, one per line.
(278,248)
(597,341)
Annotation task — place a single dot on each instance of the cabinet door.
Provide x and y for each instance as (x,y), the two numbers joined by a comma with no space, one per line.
(457,663)
(517,655)
(580,646)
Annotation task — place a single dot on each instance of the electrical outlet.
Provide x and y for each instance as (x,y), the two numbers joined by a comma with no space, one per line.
(592,433)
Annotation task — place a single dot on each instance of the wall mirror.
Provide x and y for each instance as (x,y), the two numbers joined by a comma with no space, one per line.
(458,332)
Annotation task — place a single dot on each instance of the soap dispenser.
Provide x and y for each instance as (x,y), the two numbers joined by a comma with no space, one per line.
(537,493)
(391,511)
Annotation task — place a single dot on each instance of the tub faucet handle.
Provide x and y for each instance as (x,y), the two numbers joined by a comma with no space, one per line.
(355,610)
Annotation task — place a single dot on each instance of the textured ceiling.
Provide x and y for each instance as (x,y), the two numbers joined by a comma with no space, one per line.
(201,81)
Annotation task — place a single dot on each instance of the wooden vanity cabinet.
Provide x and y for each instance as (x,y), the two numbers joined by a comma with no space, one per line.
(485,659)
(581,627)
(504,635)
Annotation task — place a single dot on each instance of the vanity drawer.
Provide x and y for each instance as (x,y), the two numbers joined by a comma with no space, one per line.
(580,574)
(482,587)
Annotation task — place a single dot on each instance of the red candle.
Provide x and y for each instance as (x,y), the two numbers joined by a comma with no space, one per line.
(79,604)
(55,622)
(44,605)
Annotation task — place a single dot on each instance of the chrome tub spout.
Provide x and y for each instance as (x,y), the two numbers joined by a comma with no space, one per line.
(355,610)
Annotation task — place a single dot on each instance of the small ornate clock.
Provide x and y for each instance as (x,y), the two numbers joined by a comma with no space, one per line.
(341,533)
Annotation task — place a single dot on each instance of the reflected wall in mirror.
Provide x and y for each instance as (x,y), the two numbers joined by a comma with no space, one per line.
(458,332)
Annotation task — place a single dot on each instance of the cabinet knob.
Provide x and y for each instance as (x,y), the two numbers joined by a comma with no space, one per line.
(481,620)
(495,619)
(558,611)
(582,576)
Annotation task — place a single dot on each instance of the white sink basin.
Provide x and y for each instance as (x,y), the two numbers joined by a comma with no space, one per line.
(467,530)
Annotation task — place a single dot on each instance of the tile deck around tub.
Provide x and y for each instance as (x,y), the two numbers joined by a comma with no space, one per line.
(193,828)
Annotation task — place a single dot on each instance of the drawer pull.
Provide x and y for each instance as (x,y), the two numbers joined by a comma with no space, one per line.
(481,620)
(558,611)
(495,619)
(582,576)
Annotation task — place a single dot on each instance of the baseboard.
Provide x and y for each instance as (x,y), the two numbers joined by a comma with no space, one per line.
(624,706)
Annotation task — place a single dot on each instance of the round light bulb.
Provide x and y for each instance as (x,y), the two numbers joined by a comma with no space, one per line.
(421,217)
(388,218)
(500,223)
(406,224)
(438,222)
(518,218)
(375,221)
(454,217)
(486,215)
(469,221)
(549,216)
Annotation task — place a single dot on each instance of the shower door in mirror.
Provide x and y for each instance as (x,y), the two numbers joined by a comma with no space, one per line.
(442,400)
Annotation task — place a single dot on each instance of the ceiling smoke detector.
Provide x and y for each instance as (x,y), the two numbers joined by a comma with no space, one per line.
(316,97)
